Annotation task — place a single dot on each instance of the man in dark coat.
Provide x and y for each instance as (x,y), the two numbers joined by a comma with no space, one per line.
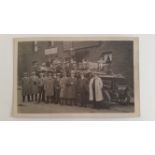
(26,87)
(34,82)
(71,85)
(83,85)
(41,87)
(62,84)
(49,88)
(57,88)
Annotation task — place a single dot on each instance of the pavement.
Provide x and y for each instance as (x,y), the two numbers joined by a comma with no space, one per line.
(57,108)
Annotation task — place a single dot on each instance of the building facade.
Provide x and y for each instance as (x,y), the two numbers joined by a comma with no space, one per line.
(118,53)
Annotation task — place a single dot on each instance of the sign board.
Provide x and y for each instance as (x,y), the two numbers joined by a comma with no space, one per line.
(51,51)
(108,58)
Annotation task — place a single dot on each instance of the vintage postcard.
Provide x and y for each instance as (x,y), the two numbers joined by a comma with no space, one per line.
(76,76)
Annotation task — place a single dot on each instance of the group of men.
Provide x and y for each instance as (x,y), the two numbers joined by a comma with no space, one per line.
(77,89)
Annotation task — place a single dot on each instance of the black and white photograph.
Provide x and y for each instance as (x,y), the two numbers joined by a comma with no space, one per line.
(81,76)
(77,77)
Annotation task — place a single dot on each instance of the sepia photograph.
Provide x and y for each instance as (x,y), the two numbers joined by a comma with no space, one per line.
(76,76)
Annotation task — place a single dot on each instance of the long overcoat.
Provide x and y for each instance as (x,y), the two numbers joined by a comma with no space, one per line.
(71,85)
(63,81)
(83,86)
(25,86)
(98,90)
(83,90)
(34,85)
(49,87)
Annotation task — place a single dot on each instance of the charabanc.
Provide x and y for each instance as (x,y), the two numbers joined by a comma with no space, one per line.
(116,88)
